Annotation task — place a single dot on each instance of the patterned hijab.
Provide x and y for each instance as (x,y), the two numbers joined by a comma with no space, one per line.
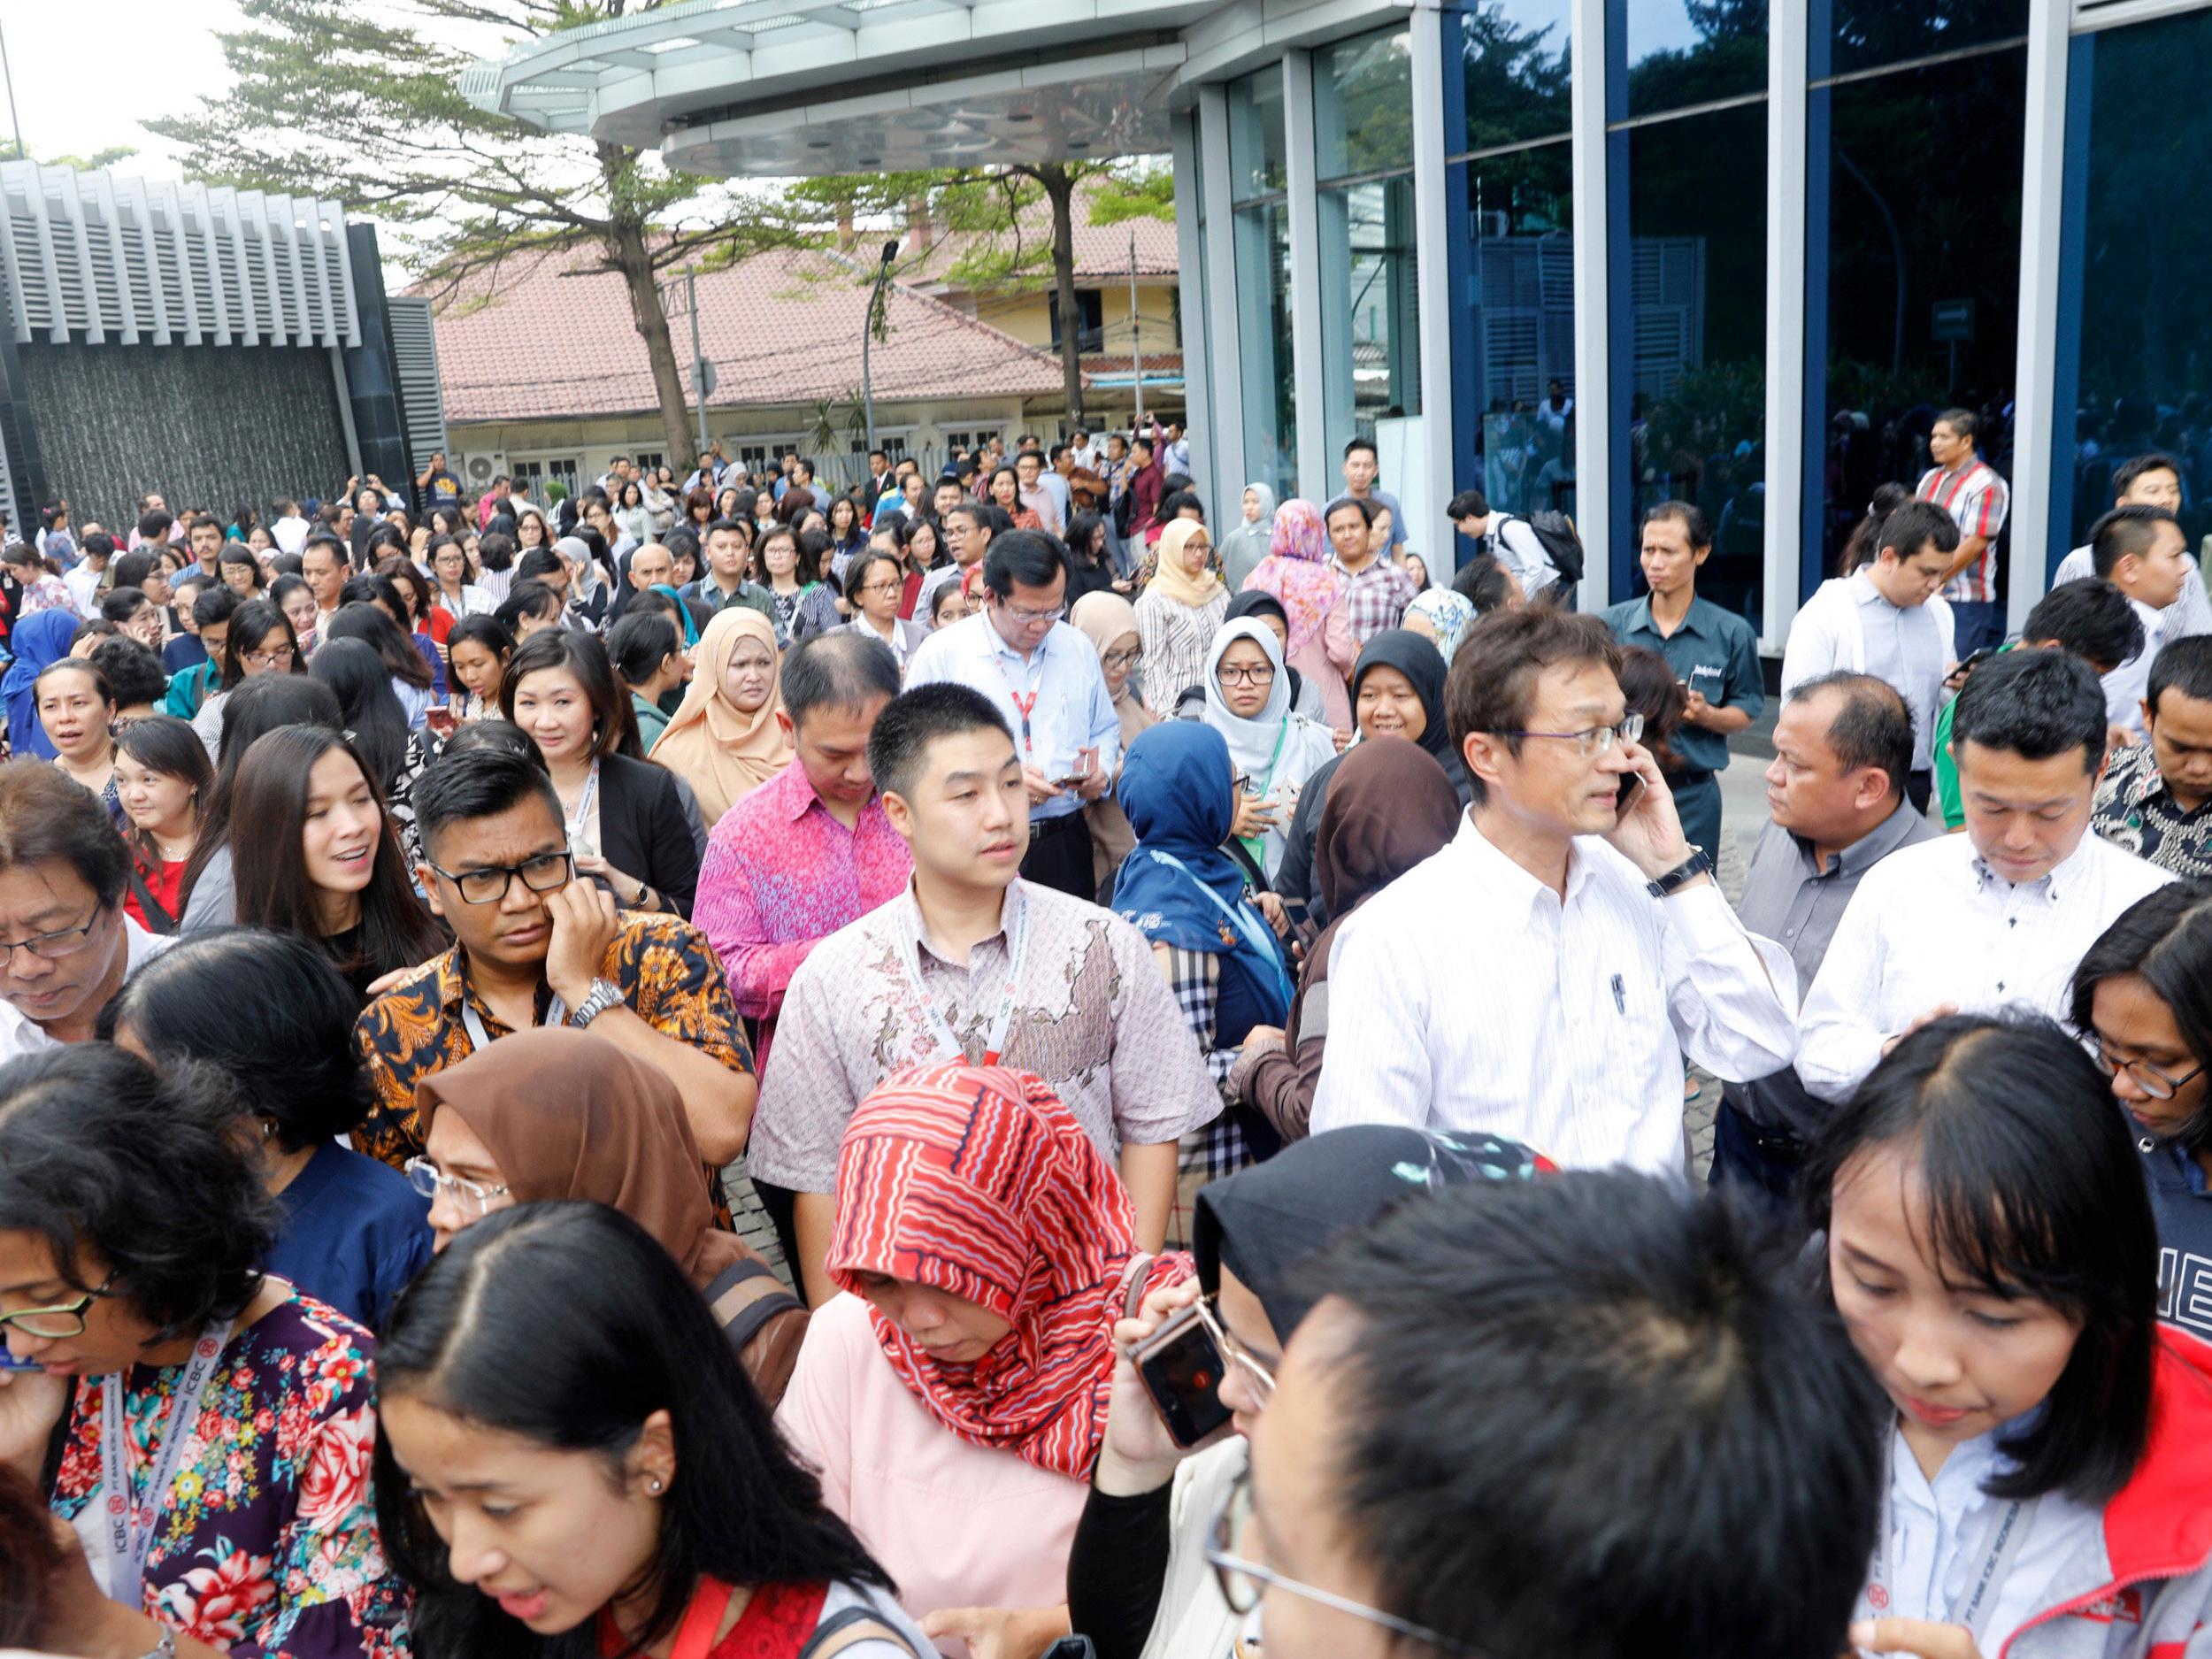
(978,1182)
(1296,571)
(723,755)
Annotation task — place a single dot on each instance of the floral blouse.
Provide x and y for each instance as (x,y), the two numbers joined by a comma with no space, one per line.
(266,1544)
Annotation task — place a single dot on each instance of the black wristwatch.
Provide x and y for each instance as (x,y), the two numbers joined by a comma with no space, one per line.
(1700,862)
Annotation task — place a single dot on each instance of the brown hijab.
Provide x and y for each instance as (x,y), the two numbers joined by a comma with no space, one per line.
(1389,807)
(568,1115)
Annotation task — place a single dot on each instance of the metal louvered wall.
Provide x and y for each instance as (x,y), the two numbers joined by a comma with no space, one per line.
(415,365)
(98,259)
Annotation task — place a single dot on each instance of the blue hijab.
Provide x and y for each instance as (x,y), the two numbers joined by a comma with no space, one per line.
(1178,788)
(683,610)
(37,641)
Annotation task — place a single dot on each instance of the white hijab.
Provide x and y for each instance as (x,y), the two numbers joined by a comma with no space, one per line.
(1277,748)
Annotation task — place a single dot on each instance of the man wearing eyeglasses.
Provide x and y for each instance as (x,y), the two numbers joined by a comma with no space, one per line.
(1543,976)
(1044,676)
(536,946)
(68,946)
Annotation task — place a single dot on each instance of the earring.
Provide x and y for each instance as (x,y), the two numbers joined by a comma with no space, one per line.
(654,1485)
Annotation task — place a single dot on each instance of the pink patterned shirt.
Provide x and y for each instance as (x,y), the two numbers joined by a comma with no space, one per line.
(780,875)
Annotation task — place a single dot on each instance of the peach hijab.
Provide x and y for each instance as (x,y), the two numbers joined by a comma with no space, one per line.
(723,755)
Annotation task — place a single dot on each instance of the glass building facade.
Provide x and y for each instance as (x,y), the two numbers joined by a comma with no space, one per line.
(1591,254)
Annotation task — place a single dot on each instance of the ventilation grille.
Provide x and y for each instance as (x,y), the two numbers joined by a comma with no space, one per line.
(93,257)
(415,363)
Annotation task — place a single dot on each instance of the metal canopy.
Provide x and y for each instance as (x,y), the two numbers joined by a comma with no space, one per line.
(797,87)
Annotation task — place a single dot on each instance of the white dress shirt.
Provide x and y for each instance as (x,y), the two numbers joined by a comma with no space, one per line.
(2125,686)
(1475,1000)
(1848,623)
(1072,710)
(1942,1533)
(1933,924)
(289,534)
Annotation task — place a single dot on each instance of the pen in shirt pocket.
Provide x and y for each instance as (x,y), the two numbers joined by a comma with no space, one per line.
(1620,996)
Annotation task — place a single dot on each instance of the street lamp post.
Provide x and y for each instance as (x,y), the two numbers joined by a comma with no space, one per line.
(867,335)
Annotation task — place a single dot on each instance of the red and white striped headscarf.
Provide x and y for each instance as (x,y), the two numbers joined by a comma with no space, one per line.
(977,1181)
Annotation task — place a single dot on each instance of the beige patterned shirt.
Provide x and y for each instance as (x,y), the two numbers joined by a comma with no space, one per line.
(1093,1016)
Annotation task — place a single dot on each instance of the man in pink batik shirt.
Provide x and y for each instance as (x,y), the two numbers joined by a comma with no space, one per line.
(810,850)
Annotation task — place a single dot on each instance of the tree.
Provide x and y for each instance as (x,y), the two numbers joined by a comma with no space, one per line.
(362,104)
(985,209)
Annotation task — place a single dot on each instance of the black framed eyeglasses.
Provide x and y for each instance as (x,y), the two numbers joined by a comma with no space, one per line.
(62,1320)
(1244,1581)
(2147,1076)
(548,872)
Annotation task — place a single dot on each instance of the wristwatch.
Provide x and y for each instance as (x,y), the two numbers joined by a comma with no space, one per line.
(165,1645)
(1700,862)
(605,993)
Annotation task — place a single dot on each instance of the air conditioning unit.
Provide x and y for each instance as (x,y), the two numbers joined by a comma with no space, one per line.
(479,470)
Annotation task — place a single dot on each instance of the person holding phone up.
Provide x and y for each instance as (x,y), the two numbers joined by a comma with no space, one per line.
(1195,1367)
(1714,653)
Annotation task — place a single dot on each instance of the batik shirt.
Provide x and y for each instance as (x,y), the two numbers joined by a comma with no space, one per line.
(2137,813)
(265,1543)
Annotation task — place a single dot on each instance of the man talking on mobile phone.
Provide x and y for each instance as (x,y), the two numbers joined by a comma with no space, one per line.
(1542,977)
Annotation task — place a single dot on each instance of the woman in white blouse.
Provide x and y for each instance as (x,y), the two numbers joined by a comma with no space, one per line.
(874,583)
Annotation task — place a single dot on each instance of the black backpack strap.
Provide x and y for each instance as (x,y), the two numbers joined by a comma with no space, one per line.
(157,919)
(849,1629)
(745,1296)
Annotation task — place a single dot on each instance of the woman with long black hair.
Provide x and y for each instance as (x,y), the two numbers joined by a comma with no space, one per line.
(314,853)
(620,1490)
(260,641)
(260,706)
(378,727)
(163,777)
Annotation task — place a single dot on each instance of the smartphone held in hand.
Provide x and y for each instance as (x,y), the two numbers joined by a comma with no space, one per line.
(1181,1367)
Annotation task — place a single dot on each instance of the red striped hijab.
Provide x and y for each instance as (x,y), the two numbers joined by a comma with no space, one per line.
(977,1181)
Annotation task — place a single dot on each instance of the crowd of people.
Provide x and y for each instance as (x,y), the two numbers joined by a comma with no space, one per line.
(429,928)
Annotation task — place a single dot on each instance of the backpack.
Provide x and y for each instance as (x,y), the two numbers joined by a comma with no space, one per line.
(1555,532)
(1124,511)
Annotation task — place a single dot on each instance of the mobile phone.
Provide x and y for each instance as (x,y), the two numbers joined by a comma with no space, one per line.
(1632,790)
(1986,651)
(442,722)
(1082,774)
(1181,1367)
(8,1362)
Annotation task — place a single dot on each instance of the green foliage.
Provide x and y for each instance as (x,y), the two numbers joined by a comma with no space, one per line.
(94,163)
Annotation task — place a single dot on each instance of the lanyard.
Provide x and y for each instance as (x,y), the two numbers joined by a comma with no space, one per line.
(1252,843)
(480,1039)
(922,1009)
(1256,934)
(127,1544)
(1026,705)
(2003,1532)
(582,818)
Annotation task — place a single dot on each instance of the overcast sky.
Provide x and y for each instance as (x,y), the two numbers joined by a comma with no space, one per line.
(86,71)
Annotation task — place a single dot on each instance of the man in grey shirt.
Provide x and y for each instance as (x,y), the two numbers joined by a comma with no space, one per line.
(1843,746)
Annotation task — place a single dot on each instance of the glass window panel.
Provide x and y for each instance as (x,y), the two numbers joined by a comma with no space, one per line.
(1515,69)
(1263,273)
(1922,272)
(1870,33)
(1362,104)
(1256,135)
(2146,336)
(1697,281)
(1514,338)
(1682,52)
(1370,308)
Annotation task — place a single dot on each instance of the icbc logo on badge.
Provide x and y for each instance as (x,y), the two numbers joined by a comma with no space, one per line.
(208,1348)
(1876,1597)
(115,1504)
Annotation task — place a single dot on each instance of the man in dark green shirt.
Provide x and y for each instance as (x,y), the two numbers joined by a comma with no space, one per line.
(1713,653)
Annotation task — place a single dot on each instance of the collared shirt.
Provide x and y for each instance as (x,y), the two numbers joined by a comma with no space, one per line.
(1789,898)
(1942,1533)
(1513,541)
(780,875)
(1074,709)
(1374,597)
(1466,995)
(1714,653)
(1933,924)
(1092,1017)
(2137,813)
(1038,499)
(1848,623)
(718,599)
(2125,686)
(1977,499)
(19,1035)
(1056,486)
(669,975)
